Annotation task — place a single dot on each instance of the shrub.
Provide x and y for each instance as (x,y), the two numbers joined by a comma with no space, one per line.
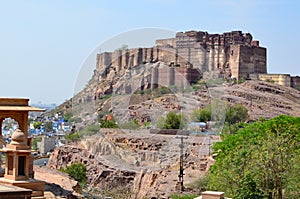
(37,125)
(108,123)
(202,115)
(78,172)
(75,119)
(34,143)
(133,124)
(92,128)
(236,113)
(172,121)
(68,116)
(72,137)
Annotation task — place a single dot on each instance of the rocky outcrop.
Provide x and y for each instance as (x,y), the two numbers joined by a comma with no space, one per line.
(264,99)
(58,183)
(138,162)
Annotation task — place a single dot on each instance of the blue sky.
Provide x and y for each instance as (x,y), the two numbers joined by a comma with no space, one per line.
(44,44)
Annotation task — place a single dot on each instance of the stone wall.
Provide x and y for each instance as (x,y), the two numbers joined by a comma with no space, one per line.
(252,59)
(200,50)
(280,79)
(170,42)
(295,82)
(46,145)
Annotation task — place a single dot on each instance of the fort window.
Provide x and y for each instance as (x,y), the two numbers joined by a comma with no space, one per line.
(231,52)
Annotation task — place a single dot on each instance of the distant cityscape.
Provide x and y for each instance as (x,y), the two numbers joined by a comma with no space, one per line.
(47,107)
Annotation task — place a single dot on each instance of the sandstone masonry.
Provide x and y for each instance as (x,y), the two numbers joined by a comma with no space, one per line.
(196,50)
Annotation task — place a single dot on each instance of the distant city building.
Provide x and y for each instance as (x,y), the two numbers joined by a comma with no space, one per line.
(46,145)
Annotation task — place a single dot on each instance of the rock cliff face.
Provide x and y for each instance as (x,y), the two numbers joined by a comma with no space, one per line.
(142,164)
(58,183)
(264,99)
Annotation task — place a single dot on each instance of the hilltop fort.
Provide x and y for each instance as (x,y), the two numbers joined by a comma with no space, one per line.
(198,50)
(188,57)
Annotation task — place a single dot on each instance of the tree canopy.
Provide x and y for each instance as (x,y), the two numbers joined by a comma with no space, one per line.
(77,171)
(236,113)
(37,125)
(222,112)
(262,157)
(172,121)
(201,115)
(49,126)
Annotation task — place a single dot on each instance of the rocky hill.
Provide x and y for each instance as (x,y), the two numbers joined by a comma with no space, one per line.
(137,164)
(262,99)
(265,99)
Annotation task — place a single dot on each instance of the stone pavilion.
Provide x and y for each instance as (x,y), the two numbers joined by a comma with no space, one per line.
(19,160)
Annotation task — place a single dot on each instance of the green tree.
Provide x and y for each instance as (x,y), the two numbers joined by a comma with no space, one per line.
(105,123)
(249,189)
(48,126)
(268,151)
(34,143)
(73,137)
(172,121)
(37,125)
(78,172)
(68,116)
(236,113)
(201,115)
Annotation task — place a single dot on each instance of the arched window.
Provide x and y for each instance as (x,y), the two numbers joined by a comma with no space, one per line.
(8,126)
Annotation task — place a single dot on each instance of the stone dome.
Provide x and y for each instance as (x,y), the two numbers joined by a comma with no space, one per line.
(18,138)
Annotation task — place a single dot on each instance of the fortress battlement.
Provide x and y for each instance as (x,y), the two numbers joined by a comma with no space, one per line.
(234,54)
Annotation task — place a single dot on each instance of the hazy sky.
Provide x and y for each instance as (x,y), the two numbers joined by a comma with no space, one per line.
(43,44)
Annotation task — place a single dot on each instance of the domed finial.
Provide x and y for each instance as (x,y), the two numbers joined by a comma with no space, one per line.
(18,138)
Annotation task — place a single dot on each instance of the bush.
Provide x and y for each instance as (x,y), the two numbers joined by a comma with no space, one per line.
(48,126)
(133,124)
(92,128)
(75,119)
(164,90)
(202,115)
(37,125)
(241,80)
(235,114)
(105,96)
(199,184)
(249,189)
(78,172)
(72,137)
(68,116)
(106,120)
(108,123)
(172,121)
(34,143)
